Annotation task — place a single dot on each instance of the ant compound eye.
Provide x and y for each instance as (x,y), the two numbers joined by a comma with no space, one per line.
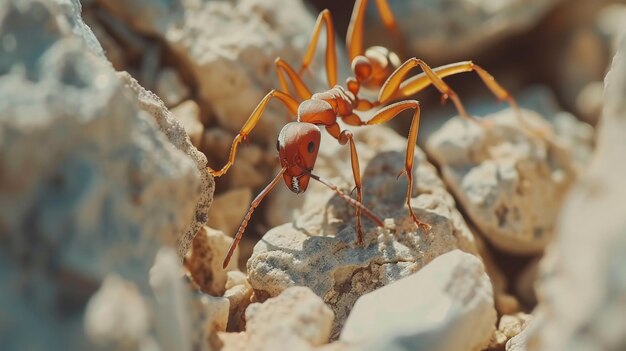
(311,147)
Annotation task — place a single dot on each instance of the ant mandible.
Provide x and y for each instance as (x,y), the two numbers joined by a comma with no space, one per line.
(373,69)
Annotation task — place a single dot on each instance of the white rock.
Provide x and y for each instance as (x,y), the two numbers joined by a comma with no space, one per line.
(239,293)
(447,305)
(582,281)
(188,114)
(294,320)
(509,181)
(176,134)
(318,249)
(204,260)
(117,316)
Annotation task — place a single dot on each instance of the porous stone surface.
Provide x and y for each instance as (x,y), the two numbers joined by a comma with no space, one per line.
(509,178)
(294,320)
(94,175)
(239,293)
(204,260)
(188,114)
(175,133)
(587,254)
(443,30)
(318,248)
(447,305)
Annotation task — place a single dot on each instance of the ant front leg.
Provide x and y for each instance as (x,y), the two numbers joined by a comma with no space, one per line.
(388,113)
(345,137)
(286,99)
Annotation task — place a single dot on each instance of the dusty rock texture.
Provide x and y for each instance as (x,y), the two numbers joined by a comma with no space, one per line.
(204,260)
(450,296)
(177,136)
(297,319)
(319,250)
(510,181)
(95,177)
(587,254)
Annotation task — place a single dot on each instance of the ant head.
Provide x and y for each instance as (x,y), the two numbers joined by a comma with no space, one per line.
(298,144)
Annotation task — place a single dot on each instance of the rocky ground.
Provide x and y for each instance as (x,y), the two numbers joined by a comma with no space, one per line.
(113,232)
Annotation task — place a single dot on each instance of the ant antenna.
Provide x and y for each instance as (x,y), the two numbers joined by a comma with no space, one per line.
(348,199)
(255,203)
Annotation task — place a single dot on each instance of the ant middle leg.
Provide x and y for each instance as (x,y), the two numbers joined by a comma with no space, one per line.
(388,113)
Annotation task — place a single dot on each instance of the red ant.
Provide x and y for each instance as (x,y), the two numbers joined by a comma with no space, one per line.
(374,69)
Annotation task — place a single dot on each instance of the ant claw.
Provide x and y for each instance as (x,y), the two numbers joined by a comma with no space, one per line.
(444,97)
(402,172)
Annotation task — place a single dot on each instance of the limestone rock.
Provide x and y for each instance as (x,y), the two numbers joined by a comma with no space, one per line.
(177,136)
(318,249)
(188,114)
(204,260)
(447,305)
(117,317)
(239,293)
(90,186)
(509,180)
(296,319)
(582,280)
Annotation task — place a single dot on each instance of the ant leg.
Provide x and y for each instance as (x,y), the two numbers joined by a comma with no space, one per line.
(288,101)
(324,18)
(354,37)
(415,84)
(419,82)
(345,137)
(301,89)
(255,203)
(391,86)
(386,114)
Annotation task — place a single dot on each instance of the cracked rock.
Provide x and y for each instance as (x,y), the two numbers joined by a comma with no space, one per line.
(510,182)
(447,305)
(319,250)
(297,319)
